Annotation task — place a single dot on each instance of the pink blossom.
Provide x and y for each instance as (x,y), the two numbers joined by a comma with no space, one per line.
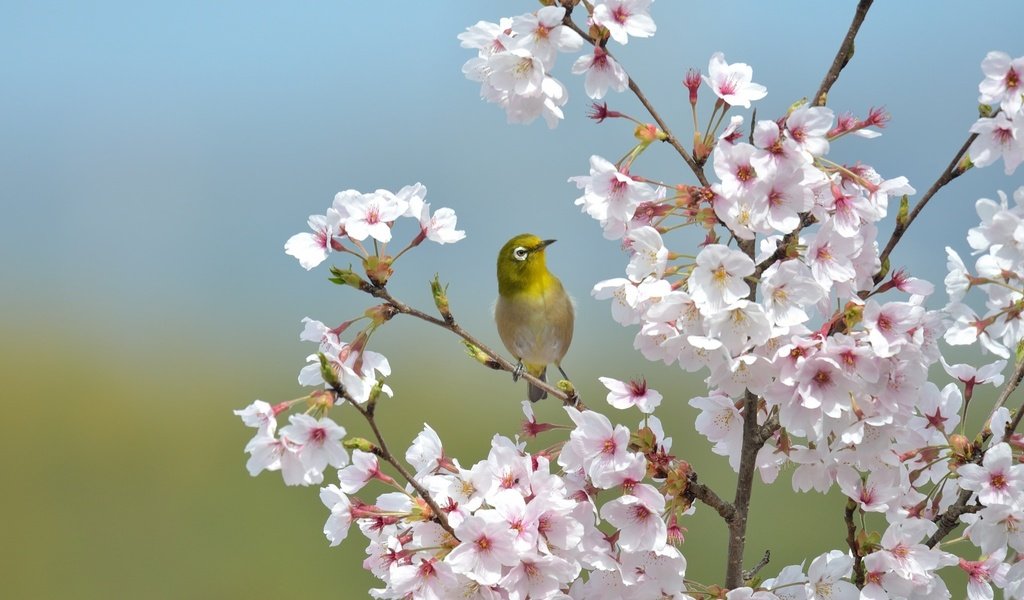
(624,18)
(998,480)
(732,82)
(623,395)
(638,519)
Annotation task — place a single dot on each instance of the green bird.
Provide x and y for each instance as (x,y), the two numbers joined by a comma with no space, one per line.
(533,312)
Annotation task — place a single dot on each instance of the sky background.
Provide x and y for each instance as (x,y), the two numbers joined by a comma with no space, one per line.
(155,158)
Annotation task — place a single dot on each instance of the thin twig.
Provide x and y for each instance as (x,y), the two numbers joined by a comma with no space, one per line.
(384,453)
(949,519)
(708,496)
(951,172)
(1011,385)
(496,360)
(843,55)
(1018,375)
(753,571)
(671,139)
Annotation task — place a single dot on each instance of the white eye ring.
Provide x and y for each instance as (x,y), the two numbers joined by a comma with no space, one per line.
(520,253)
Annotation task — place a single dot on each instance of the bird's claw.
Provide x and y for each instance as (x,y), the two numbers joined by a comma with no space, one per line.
(517,372)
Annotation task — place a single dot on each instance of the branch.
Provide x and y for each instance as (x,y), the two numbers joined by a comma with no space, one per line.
(952,171)
(385,454)
(806,220)
(851,541)
(708,496)
(1015,379)
(949,520)
(496,360)
(843,55)
(744,485)
(671,139)
(750,574)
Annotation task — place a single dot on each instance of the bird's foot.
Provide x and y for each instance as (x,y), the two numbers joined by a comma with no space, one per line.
(517,372)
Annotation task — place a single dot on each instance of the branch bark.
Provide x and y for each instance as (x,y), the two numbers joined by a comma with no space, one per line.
(497,361)
(843,55)
(744,486)
(675,143)
(951,172)
(949,520)
(385,454)
(851,541)
(708,496)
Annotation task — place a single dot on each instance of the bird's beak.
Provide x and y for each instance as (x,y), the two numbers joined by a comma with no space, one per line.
(546,243)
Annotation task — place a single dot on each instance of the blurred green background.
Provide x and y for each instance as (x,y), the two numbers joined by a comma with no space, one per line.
(156,158)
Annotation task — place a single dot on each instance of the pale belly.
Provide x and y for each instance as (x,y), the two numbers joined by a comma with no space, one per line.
(536,330)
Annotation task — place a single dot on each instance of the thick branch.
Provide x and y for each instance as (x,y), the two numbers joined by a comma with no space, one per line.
(843,55)
(752,443)
(952,171)
(498,361)
(671,139)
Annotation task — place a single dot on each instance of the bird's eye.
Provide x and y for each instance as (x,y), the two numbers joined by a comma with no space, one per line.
(520,253)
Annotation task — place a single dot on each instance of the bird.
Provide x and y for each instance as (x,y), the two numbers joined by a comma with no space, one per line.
(534,314)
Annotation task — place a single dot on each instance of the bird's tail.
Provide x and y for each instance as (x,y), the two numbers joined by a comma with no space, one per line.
(536,393)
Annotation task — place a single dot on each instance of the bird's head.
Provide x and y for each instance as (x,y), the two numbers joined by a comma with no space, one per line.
(521,263)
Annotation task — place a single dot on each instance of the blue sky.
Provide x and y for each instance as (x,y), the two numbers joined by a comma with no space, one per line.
(157,156)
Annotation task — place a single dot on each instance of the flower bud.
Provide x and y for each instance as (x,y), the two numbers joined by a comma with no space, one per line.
(961,445)
(327,372)
(852,314)
(644,440)
(378,269)
(380,314)
(649,133)
(692,83)
(358,443)
(441,299)
(904,213)
(347,277)
(480,356)
(322,399)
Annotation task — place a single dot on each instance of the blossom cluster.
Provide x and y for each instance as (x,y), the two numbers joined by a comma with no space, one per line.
(998,271)
(789,308)
(1000,133)
(515,57)
(356,216)
(848,387)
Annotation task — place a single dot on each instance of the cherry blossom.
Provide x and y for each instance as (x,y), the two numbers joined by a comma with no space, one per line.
(602,73)
(623,395)
(732,82)
(313,248)
(997,480)
(624,18)
(487,546)
(1004,81)
(717,280)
